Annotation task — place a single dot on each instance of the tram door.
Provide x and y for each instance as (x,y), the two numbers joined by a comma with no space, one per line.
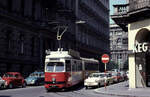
(148,69)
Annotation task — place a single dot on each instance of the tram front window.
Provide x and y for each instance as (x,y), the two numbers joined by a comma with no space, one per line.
(55,67)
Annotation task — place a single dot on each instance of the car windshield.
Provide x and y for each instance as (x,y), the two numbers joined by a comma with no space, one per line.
(34,75)
(97,75)
(9,75)
(37,75)
(114,74)
(55,67)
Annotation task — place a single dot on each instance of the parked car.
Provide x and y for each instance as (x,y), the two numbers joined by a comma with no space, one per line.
(123,75)
(14,79)
(95,79)
(127,73)
(110,78)
(2,83)
(35,78)
(117,76)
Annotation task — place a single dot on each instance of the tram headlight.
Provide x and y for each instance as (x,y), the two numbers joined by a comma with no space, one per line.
(53,80)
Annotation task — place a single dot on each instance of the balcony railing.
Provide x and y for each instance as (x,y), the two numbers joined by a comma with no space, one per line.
(138,4)
(121,9)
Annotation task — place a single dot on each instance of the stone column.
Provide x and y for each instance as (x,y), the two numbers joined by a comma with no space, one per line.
(132,72)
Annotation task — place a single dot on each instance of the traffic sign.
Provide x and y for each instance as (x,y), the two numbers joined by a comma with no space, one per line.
(105,58)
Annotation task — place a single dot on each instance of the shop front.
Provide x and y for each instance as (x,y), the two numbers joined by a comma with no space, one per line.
(139,56)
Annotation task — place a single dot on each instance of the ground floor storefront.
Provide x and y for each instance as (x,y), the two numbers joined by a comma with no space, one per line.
(139,56)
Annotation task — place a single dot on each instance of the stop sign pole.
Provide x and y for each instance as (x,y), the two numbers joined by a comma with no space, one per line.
(105,60)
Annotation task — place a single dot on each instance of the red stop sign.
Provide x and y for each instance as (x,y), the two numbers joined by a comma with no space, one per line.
(105,58)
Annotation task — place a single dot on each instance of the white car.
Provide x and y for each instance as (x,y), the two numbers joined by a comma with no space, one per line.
(127,73)
(110,79)
(2,83)
(95,79)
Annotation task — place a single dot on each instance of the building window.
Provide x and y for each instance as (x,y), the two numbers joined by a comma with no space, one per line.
(21,44)
(119,40)
(32,46)
(125,41)
(8,38)
(33,9)
(22,7)
(9,5)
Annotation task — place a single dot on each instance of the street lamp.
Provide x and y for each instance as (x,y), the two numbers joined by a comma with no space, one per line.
(80,22)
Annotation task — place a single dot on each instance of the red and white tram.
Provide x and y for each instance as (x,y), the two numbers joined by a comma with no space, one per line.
(64,69)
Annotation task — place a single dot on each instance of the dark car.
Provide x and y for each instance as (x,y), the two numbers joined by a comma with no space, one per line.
(35,78)
(117,76)
(14,79)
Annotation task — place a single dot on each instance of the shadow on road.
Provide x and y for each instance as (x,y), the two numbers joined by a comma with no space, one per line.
(4,96)
(73,88)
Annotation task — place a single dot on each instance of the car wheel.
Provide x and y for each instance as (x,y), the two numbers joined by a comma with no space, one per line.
(37,84)
(86,87)
(2,86)
(47,90)
(108,83)
(24,85)
(99,85)
(10,86)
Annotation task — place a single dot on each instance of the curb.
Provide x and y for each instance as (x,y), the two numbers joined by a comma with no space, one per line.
(114,94)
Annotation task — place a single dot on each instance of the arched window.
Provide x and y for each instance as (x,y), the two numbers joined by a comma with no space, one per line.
(118,40)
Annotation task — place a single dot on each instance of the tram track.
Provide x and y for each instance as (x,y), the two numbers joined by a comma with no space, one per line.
(72,94)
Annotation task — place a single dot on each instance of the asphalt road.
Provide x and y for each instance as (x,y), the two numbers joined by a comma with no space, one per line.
(39,91)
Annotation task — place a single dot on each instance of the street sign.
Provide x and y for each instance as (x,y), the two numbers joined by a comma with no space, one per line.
(105,58)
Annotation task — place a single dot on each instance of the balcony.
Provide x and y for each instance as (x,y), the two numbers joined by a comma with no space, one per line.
(121,9)
(120,15)
(138,4)
(136,10)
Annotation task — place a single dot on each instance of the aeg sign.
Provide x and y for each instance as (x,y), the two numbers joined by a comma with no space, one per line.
(141,47)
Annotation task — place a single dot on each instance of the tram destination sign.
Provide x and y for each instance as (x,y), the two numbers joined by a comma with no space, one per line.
(105,58)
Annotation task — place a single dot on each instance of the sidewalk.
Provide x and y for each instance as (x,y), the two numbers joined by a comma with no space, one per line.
(122,89)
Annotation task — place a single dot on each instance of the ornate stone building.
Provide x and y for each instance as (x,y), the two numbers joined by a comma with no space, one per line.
(134,17)
(118,46)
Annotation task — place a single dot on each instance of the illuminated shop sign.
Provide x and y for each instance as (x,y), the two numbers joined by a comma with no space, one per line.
(141,47)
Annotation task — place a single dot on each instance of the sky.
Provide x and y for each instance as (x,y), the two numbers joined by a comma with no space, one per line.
(112,2)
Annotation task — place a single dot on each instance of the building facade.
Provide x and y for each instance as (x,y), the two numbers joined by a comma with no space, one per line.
(136,19)
(20,39)
(118,46)
(94,33)
(90,38)
(29,27)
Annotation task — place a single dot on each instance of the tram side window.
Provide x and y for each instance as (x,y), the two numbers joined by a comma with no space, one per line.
(68,65)
(79,66)
(74,66)
(91,66)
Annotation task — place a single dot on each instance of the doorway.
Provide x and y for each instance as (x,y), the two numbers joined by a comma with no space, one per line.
(148,69)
